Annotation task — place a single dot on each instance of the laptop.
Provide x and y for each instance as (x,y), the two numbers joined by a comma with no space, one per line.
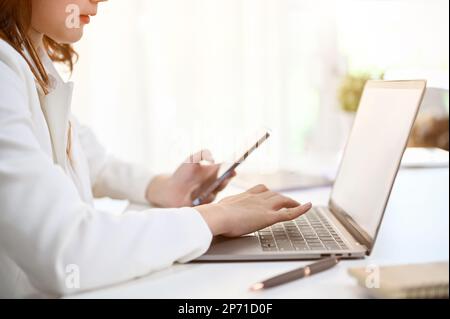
(349,225)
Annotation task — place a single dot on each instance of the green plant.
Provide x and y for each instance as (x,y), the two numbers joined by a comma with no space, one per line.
(350,91)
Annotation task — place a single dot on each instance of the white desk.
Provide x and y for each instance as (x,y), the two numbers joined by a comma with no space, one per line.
(415,229)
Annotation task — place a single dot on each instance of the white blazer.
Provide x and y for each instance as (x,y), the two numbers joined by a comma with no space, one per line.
(50,234)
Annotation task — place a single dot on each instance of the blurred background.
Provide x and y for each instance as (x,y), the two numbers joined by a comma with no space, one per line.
(159,79)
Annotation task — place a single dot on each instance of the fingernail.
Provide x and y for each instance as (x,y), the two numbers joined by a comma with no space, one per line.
(308,205)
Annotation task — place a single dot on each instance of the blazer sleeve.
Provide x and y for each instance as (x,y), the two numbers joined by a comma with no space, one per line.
(45,227)
(111,177)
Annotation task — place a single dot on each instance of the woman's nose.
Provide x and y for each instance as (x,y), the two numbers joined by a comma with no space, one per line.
(96,2)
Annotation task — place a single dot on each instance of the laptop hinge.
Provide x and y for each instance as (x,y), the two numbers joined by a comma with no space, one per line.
(351,226)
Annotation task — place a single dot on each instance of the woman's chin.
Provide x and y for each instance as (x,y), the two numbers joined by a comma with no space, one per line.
(69,37)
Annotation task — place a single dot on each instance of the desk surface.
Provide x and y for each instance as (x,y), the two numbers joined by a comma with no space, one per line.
(415,229)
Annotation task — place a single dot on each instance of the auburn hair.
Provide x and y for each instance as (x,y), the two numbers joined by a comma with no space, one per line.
(15,23)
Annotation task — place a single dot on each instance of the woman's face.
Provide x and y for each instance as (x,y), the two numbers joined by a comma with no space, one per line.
(62,20)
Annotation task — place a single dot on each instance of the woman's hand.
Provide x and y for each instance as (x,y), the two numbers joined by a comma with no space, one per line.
(250,211)
(189,181)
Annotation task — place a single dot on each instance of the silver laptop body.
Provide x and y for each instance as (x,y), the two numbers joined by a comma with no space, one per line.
(349,225)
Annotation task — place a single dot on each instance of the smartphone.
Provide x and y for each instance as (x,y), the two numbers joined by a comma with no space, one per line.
(199,200)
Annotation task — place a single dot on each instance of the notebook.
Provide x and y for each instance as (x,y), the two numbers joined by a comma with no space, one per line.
(418,281)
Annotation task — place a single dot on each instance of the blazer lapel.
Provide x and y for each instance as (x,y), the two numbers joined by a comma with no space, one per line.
(56,109)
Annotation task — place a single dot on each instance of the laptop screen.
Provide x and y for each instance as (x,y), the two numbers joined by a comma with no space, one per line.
(374,150)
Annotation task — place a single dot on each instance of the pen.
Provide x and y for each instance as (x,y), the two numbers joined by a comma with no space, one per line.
(298,273)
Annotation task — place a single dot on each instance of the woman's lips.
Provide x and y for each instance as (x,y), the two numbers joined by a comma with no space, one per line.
(85,19)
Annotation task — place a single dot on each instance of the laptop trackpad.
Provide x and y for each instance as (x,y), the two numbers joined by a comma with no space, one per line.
(244,245)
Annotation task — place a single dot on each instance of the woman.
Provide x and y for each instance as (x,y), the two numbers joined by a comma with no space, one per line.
(51,168)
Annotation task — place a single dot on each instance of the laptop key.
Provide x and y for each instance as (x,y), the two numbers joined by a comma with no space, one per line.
(311,231)
(283,243)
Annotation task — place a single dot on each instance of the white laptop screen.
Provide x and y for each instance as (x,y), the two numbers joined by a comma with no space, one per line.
(374,150)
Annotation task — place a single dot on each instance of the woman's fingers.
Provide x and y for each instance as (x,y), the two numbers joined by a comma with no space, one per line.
(203,155)
(222,186)
(210,173)
(232,174)
(278,202)
(225,183)
(257,189)
(269,194)
(211,197)
(292,213)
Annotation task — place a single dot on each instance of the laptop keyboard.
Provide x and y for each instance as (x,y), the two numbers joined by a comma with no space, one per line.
(310,231)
